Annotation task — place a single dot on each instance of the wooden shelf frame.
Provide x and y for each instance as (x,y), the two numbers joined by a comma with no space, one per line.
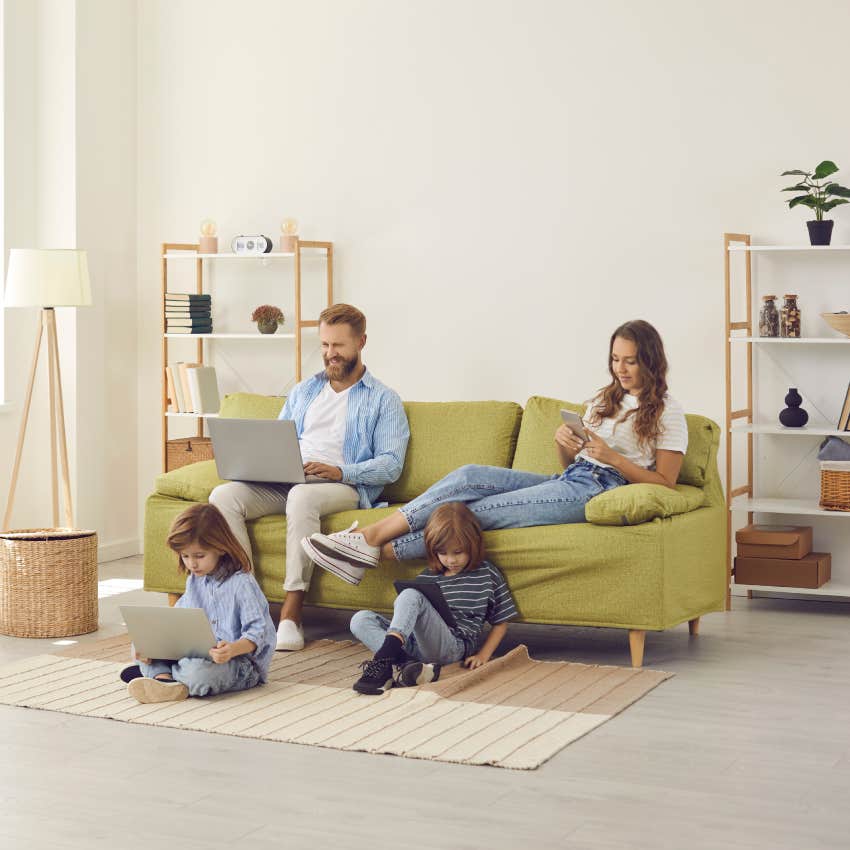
(190,251)
(730,240)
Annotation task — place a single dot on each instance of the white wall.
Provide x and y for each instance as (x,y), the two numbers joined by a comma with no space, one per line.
(504,182)
(70,139)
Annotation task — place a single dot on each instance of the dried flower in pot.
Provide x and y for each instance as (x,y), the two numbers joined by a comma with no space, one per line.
(267,318)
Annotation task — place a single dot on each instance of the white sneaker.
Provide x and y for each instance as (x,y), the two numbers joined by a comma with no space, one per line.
(349,545)
(290,636)
(341,569)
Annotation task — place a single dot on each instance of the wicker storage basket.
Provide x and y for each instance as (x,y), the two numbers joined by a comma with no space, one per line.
(48,582)
(189,450)
(835,485)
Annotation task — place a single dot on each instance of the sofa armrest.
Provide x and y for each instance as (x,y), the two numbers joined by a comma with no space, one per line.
(632,504)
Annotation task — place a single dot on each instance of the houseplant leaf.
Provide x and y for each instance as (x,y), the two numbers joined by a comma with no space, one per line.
(800,187)
(805,200)
(796,171)
(835,189)
(825,168)
(830,204)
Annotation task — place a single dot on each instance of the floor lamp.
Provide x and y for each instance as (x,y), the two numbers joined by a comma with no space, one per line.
(47,279)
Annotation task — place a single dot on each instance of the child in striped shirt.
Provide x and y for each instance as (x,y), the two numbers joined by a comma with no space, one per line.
(417,640)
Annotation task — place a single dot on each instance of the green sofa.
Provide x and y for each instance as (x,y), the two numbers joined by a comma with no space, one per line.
(649,558)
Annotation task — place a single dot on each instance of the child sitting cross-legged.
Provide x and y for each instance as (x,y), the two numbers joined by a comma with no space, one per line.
(417,640)
(219,580)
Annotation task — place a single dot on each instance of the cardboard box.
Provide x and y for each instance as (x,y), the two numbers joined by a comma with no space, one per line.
(774,541)
(812,570)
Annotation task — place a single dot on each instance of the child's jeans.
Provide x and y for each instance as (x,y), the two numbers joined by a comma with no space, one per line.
(205,678)
(429,639)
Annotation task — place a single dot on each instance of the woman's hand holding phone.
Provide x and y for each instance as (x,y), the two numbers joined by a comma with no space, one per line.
(569,440)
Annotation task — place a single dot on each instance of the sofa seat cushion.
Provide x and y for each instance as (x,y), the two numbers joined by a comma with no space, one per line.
(636,503)
(193,482)
(536,452)
(446,435)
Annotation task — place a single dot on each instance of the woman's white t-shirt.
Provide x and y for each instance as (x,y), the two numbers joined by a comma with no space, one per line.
(620,436)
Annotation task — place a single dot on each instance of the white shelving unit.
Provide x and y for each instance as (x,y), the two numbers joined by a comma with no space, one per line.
(181,253)
(744,421)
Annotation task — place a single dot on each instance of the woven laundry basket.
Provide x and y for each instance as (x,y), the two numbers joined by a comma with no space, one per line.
(48,582)
(835,485)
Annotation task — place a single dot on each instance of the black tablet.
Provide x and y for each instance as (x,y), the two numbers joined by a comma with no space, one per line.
(433,593)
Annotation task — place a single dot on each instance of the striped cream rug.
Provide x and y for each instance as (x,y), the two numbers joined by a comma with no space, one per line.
(513,712)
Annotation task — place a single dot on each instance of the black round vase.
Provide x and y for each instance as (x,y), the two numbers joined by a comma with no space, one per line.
(793,416)
(820,232)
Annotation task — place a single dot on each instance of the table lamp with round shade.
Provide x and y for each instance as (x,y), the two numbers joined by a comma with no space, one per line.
(47,278)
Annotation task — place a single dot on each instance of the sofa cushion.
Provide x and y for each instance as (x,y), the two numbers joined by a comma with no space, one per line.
(636,503)
(536,452)
(535,448)
(251,406)
(193,482)
(446,435)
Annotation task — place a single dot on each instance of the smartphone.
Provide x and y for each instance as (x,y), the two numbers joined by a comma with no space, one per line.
(574,423)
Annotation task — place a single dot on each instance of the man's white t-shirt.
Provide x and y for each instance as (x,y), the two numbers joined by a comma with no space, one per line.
(324,427)
(672,432)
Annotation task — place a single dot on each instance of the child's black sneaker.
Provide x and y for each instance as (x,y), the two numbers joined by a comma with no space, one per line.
(132,671)
(377,676)
(417,673)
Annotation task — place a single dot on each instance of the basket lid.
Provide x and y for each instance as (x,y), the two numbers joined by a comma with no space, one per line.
(46,533)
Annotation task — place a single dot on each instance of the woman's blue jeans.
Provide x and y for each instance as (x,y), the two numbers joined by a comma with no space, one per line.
(507,498)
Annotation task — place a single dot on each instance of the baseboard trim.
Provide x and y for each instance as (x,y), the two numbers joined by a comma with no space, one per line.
(118,549)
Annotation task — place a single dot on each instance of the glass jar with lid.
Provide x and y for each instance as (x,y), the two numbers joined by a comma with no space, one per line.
(789,325)
(769,317)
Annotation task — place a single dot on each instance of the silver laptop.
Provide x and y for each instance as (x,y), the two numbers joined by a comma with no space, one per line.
(169,634)
(258,450)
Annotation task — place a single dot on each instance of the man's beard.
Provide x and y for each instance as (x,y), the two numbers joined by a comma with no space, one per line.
(340,371)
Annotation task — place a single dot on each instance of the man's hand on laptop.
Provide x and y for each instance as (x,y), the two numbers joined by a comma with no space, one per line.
(323,470)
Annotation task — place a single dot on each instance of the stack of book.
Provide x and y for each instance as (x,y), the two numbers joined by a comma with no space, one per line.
(192,388)
(187,314)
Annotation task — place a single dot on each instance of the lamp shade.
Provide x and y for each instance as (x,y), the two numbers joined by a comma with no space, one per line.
(41,277)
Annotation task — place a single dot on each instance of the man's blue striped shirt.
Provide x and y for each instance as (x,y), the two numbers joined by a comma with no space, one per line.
(376,432)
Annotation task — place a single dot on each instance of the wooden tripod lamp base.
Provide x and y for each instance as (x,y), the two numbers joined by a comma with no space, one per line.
(46,327)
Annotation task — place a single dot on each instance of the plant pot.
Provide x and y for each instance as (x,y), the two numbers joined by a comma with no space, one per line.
(820,232)
(267,327)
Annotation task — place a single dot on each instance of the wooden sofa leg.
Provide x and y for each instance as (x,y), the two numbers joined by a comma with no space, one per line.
(637,639)
(693,626)
(172,598)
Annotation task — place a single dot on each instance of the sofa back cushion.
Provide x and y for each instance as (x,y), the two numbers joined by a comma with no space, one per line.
(446,435)
(251,406)
(536,452)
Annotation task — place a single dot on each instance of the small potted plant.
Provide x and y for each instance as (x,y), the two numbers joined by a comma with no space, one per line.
(818,195)
(267,318)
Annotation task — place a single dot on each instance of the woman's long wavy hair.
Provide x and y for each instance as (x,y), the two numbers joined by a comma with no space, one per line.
(653,374)
(204,525)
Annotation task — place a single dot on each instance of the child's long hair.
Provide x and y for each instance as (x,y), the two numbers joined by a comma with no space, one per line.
(451,523)
(653,372)
(204,525)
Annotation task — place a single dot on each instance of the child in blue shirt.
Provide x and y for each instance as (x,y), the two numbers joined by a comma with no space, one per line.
(219,580)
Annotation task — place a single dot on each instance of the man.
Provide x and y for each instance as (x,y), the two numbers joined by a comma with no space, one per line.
(353,434)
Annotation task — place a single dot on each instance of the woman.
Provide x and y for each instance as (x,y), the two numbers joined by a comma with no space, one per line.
(638,435)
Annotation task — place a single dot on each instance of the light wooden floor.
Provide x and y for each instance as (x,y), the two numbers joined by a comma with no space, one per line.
(747,747)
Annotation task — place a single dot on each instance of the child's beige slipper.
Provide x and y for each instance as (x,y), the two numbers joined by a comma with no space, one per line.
(156,690)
